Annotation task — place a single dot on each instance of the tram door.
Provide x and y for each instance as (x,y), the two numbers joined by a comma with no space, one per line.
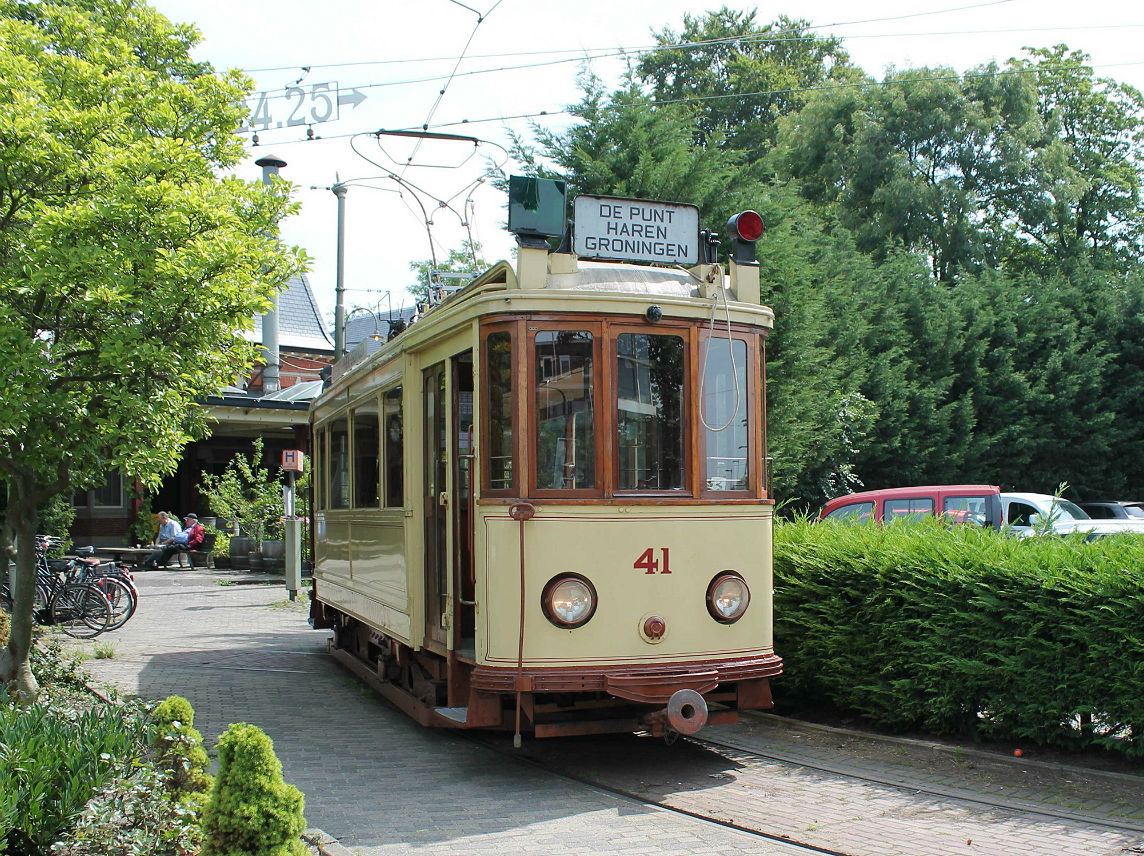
(447,510)
(463,460)
(436,505)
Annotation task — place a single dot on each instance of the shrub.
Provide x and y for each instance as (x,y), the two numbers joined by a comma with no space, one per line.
(134,815)
(965,631)
(180,748)
(53,761)
(251,811)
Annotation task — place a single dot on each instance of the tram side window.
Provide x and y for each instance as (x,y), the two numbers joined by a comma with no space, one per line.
(724,407)
(500,408)
(319,471)
(367,440)
(339,458)
(394,450)
(649,421)
(565,415)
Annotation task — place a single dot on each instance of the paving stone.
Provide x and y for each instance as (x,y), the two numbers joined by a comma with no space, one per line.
(382,785)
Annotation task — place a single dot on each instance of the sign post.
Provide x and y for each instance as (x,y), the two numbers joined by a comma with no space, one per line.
(292,463)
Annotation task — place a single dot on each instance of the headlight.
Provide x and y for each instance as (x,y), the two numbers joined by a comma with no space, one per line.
(569,600)
(728,597)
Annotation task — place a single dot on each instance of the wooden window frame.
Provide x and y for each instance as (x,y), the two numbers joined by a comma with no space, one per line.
(601,392)
(515,330)
(682,330)
(751,397)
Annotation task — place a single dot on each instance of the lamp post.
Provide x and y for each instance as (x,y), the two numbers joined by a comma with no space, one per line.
(271,381)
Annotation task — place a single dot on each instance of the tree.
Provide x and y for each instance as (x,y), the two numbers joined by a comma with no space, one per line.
(128,270)
(739,77)
(1082,193)
(626,145)
(467,260)
(245,492)
(915,161)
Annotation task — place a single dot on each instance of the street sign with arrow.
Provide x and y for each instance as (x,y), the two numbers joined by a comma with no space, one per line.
(295,106)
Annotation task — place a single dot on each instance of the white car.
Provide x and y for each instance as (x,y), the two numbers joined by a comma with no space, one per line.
(1028,514)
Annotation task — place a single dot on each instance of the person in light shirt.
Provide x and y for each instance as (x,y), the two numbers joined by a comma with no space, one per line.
(189,539)
(168,529)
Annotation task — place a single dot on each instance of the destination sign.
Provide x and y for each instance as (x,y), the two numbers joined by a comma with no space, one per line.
(636,230)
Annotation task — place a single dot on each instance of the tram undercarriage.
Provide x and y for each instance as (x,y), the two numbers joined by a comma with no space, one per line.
(451,692)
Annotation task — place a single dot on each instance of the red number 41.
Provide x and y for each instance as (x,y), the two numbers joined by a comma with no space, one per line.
(648,564)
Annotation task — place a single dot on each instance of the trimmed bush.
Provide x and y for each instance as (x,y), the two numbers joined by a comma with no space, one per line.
(965,631)
(180,748)
(251,811)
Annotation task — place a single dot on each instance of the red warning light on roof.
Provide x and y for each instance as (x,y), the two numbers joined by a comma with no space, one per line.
(746,226)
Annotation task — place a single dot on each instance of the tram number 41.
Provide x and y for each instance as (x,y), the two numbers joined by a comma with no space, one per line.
(648,563)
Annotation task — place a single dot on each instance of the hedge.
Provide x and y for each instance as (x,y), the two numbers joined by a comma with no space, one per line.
(965,631)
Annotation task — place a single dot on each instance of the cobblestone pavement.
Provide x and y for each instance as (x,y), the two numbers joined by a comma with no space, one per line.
(383,785)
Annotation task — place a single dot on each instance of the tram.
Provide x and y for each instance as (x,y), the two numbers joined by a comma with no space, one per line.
(543,506)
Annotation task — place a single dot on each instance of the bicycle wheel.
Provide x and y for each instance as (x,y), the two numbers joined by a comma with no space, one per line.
(120,597)
(81,610)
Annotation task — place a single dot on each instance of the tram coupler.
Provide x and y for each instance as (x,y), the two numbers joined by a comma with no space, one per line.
(686,713)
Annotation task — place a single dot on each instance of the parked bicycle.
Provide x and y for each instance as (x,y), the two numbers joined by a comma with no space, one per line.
(81,595)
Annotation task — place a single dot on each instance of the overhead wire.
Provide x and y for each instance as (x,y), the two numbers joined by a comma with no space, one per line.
(621,50)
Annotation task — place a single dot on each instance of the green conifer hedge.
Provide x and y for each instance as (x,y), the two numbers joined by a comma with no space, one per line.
(965,631)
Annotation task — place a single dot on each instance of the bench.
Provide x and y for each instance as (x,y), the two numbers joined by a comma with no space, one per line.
(201,558)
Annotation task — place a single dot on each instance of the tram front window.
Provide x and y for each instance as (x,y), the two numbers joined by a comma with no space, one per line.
(649,421)
(565,416)
(724,407)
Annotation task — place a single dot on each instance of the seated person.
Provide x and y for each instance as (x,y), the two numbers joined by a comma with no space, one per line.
(189,539)
(168,529)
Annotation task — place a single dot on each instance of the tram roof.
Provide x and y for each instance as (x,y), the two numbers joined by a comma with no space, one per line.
(626,279)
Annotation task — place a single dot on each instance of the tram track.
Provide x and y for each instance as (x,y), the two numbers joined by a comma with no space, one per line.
(711,782)
(1010,804)
(495,743)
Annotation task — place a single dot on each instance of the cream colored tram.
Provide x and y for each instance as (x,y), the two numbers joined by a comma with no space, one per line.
(542,507)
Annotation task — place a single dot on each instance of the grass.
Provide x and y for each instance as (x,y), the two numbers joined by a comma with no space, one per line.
(104,651)
(302,603)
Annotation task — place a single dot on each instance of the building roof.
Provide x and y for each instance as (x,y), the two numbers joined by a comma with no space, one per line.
(300,326)
(363,327)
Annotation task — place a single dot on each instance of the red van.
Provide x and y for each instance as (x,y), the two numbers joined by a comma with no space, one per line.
(979,504)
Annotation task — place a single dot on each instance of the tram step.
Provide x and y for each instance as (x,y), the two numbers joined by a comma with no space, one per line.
(457,714)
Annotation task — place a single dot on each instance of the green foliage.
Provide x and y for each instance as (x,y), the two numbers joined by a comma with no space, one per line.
(251,811)
(965,631)
(245,492)
(134,815)
(146,525)
(221,545)
(180,748)
(468,260)
(54,759)
(128,269)
(55,517)
(742,76)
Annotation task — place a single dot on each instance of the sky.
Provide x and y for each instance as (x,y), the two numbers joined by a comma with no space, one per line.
(482,67)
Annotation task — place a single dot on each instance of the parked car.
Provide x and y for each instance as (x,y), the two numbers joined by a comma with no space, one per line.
(1029,513)
(962,503)
(1112,509)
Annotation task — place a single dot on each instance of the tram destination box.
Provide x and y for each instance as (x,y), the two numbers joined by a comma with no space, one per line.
(636,230)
